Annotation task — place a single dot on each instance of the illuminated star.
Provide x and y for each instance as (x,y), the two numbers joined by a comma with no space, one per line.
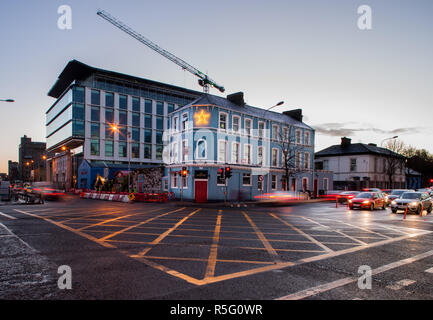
(201,117)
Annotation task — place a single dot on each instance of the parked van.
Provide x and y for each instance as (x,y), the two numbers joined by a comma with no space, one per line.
(5,187)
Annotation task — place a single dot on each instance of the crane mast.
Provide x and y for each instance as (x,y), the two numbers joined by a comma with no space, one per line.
(204,80)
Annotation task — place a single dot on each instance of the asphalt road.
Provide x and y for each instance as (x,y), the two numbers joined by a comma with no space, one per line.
(167,251)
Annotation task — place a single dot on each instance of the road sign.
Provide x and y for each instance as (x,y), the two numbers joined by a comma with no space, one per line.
(131,196)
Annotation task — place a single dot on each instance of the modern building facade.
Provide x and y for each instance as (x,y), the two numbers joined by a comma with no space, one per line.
(13,170)
(92,115)
(31,160)
(212,132)
(358,165)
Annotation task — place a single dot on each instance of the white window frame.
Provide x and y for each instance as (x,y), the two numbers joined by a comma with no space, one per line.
(275,137)
(286,133)
(186,123)
(251,126)
(306,164)
(185,181)
(298,134)
(325,184)
(276,157)
(221,141)
(247,185)
(197,150)
(174,152)
(298,159)
(226,121)
(307,140)
(185,150)
(239,124)
(175,123)
(262,135)
(272,182)
(260,163)
(238,154)
(246,145)
(174,180)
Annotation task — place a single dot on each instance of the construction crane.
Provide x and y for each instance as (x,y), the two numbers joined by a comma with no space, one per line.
(204,80)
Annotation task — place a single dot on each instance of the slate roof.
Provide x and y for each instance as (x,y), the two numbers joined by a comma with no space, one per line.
(208,99)
(354,149)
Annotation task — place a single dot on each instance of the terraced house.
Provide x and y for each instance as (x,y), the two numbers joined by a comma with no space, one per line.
(213,132)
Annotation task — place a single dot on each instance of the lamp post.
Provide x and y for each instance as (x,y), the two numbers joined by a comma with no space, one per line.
(128,143)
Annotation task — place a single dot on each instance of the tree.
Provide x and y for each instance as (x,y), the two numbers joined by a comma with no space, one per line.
(291,146)
(394,160)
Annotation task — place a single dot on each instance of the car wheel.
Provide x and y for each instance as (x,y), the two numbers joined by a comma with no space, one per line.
(393,211)
(351,207)
(419,211)
(430,209)
(384,206)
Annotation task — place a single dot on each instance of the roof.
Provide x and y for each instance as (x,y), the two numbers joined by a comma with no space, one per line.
(76,70)
(355,148)
(208,99)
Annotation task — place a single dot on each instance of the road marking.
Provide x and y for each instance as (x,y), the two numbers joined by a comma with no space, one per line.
(320,244)
(115,219)
(88,216)
(15,236)
(342,233)
(210,269)
(401,284)
(263,239)
(429,270)
(7,216)
(137,225)
(361,228)
(166,233)
(205,260)
(342,282)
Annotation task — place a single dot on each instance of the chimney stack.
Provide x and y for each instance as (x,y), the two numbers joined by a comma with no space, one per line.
(345,142)
(237,98)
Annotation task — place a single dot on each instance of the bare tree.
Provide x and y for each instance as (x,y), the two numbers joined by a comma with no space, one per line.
(291,152)
(394,160)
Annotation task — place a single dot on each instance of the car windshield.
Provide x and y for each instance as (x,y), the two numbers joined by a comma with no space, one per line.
(398,192)
(365,195)
(411,195)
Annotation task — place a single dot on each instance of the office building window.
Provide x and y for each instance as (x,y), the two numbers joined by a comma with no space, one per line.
(94,114)
(109,132)
(78,111)
(123,134)
(148,136)
(109,99)
(135,134)
(123,149)
(123,117)
(94,130)
(147,151)
(158,151)
(123,101)
(135,150)
(136,104)
(109,148)
(109,115)
(158,137)
(148,106)
(159,108)
(170,107)
(78,94)
(147,121)
(135,119)
(246,179)
(95,97)
(159,123)
(78,128)
(94,147)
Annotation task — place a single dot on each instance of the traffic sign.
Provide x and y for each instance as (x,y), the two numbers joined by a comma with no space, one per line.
(131,196)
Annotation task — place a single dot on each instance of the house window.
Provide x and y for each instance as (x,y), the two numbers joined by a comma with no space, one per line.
(176,123)
(325,184)
(184,150)
(184,182)
(235,124)
(174,149)
(298,137)
(298,160)
(274,182)
(184,121)
(274,157)
(174,180)
(248,126)
(246,179)
(261,129)
(325,165)
(247,153)
(260,179)
(286,134)
(201,149)
(235,152)
(307,138)
(275,132)
(260,156)
(223,121)
(222,151)
(352,164)
(165,184)
(306,160)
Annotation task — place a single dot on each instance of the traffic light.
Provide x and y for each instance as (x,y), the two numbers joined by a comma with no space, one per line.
(228,172)
(184,172)
(221,173)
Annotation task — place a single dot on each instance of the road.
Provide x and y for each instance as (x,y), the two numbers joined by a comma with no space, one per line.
(167,251)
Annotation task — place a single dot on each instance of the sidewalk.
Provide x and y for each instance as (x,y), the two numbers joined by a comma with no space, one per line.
(243,204)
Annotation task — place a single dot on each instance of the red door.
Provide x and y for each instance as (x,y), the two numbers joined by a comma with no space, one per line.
(200,189)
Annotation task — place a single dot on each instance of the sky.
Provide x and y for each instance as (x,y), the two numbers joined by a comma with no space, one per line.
(368,85)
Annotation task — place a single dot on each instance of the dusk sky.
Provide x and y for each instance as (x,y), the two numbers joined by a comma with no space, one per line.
(365,84)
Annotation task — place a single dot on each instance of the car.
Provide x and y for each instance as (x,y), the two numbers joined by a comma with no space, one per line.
(413,202)
(397,193)
(331,195)
(346,195)
(368,200)
(371,190)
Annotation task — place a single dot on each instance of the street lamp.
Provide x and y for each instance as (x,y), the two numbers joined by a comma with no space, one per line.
(115,128)
(395,137)
(7,100)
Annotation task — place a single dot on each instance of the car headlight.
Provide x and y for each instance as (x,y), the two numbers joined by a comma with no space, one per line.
(413,204)
(366,202)
(350,201)
(393,202)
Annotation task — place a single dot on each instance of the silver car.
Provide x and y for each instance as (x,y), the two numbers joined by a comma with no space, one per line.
(413,201)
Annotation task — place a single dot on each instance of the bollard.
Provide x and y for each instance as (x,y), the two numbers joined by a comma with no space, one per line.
(422,209)
(405,212)
(336,202)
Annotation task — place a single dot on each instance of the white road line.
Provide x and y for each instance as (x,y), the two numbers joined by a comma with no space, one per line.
(342,282)
(401,284)
(7,216)
(429,270)
(14,235)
